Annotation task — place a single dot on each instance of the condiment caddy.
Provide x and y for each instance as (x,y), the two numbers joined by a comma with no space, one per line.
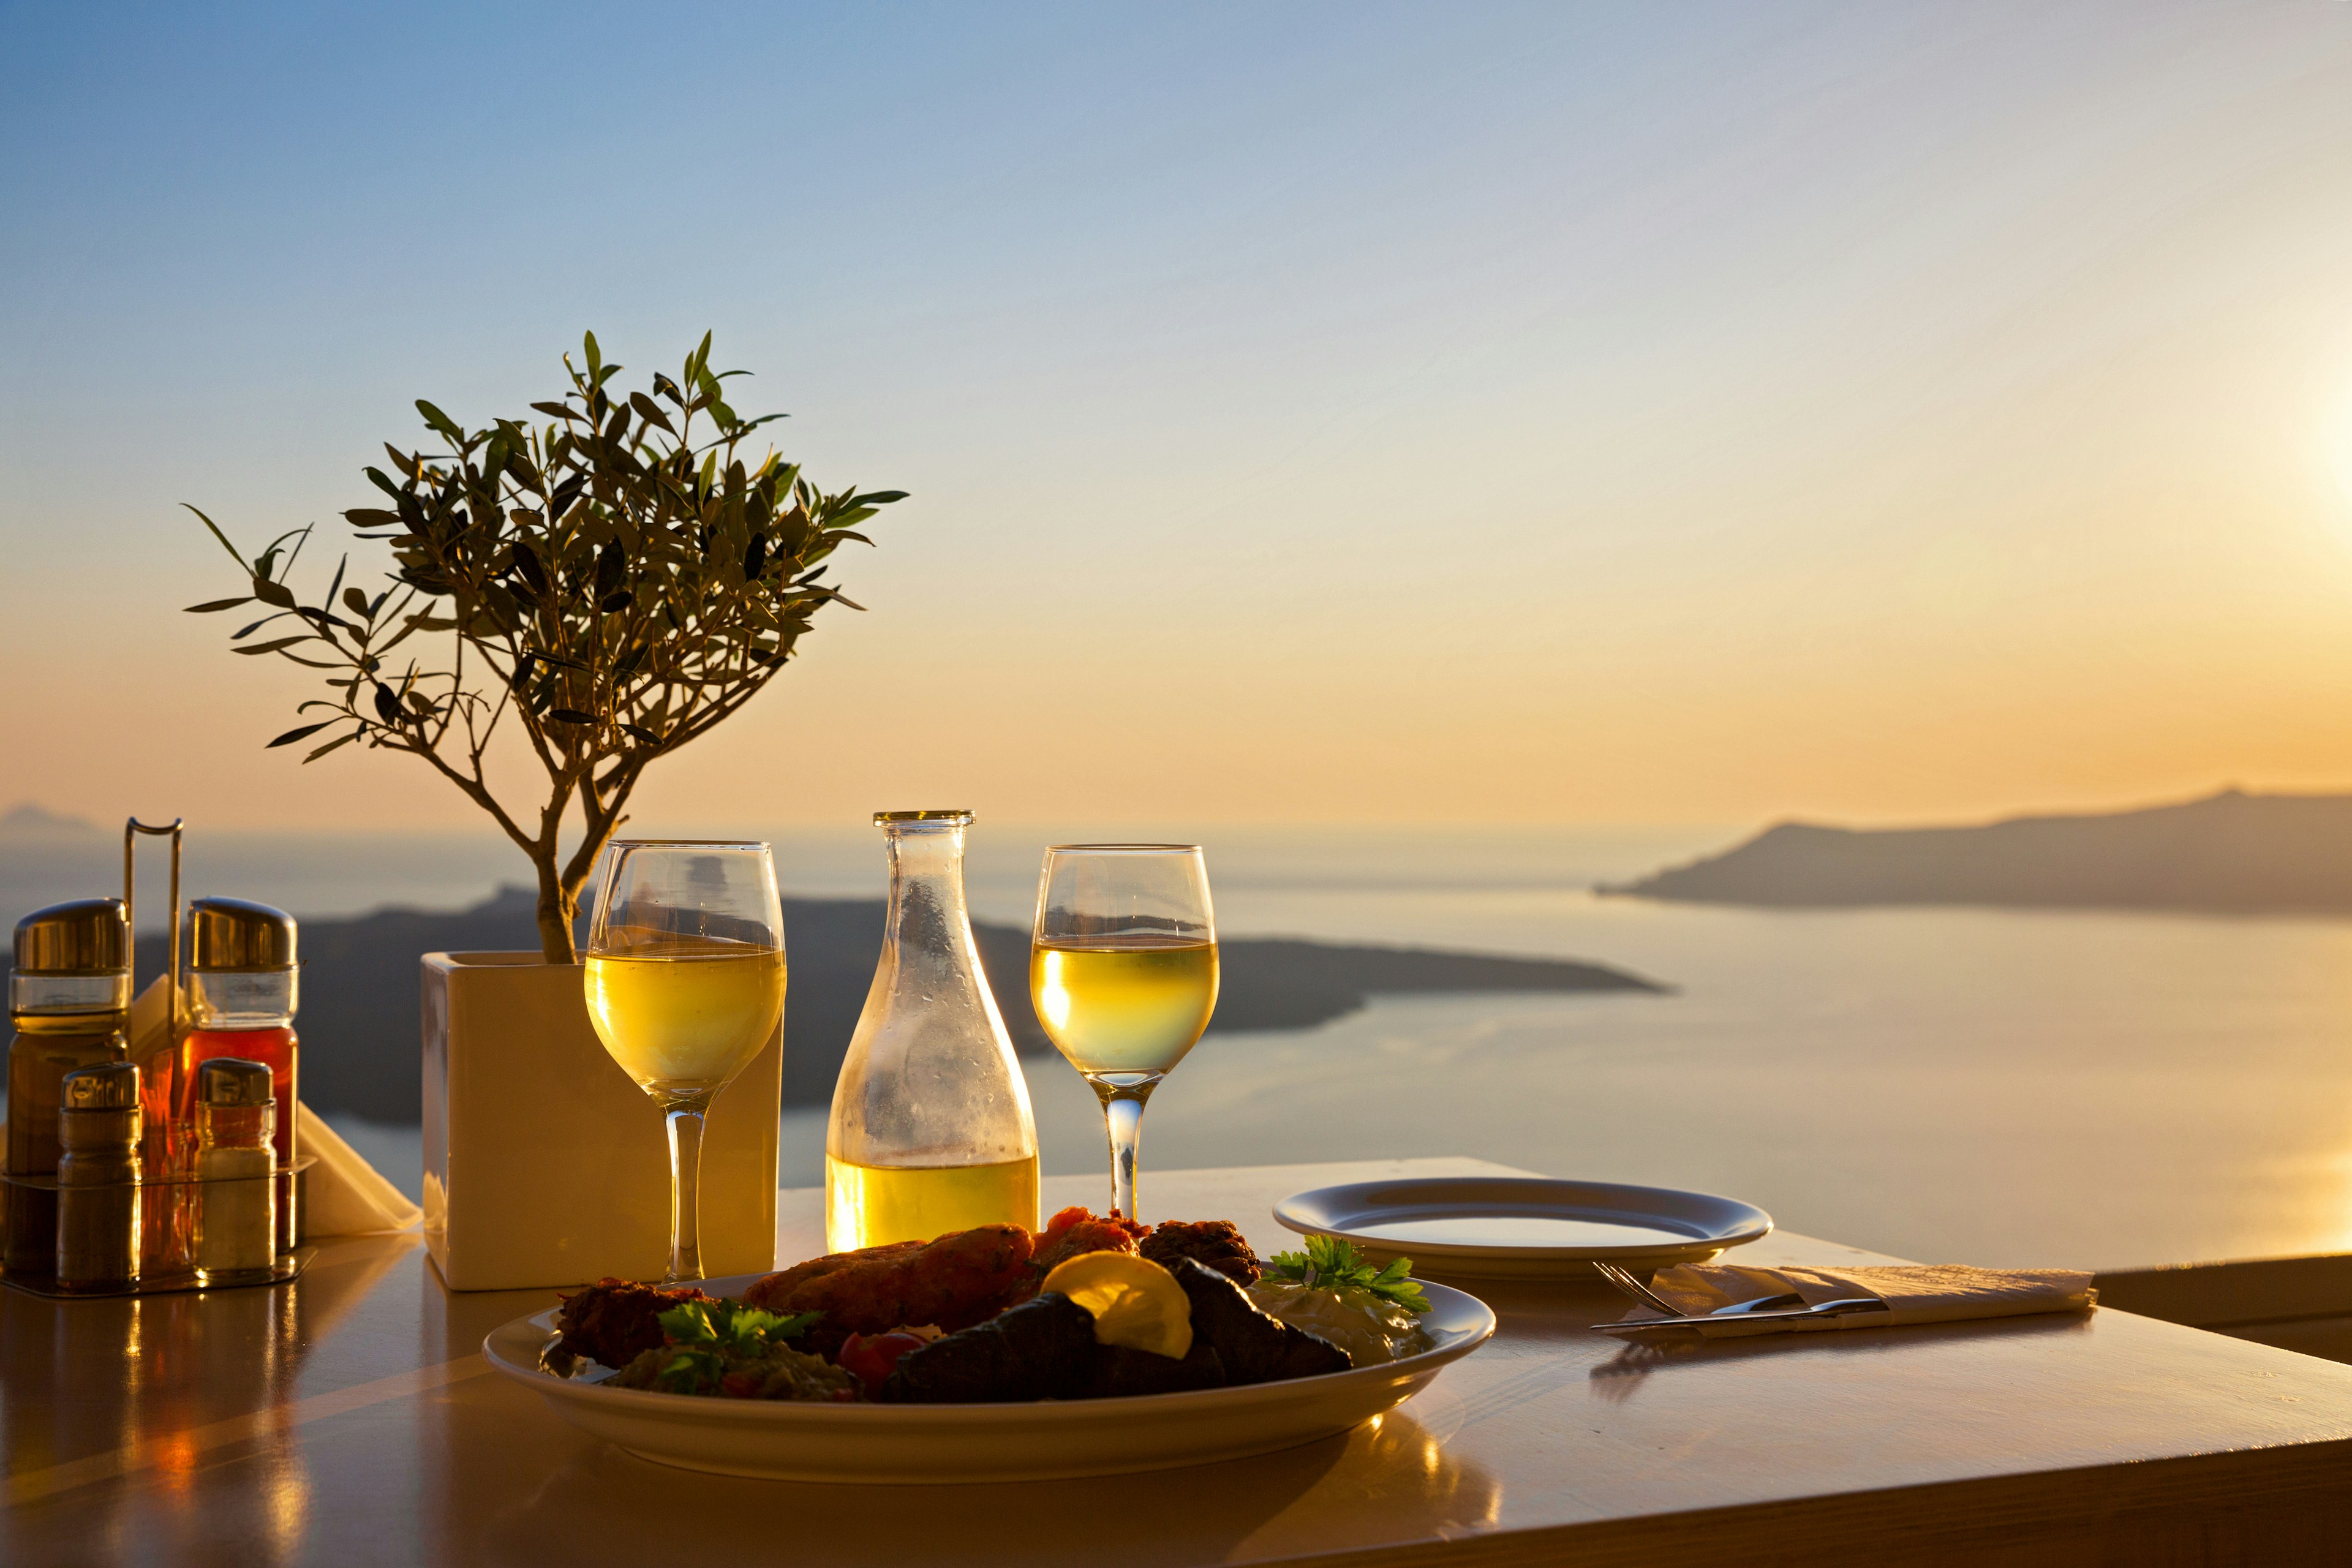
(151,1143)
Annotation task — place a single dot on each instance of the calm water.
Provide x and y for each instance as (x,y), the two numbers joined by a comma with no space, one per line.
(1984,1087)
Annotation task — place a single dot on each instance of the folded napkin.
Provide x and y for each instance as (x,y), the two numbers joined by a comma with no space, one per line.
(346,1196)
(1914,1293)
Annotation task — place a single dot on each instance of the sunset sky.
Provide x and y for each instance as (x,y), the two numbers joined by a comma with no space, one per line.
(1453,414)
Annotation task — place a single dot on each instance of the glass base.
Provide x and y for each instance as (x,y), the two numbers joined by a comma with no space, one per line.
(287,1266)
(169,1216)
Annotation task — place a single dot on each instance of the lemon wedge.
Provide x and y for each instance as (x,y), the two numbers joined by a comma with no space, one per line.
(1135,1302)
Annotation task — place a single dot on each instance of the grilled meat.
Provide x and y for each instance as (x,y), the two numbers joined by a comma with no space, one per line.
(1216,1243)
(1069,1234)
(951,1283)
(783,1283)
(617,1320)
(1077,1229)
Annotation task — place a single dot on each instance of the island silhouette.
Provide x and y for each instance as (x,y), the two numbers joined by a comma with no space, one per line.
(362,1028)
(2227,853)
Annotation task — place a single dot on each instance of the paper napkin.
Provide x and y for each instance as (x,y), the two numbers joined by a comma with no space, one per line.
(347,1197)
(1914,1293)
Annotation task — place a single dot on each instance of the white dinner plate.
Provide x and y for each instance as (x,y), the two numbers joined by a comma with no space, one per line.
(1521,1227)
(1041,1440)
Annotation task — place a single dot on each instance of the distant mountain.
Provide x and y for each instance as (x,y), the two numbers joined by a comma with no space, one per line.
(2232,852)
(361,1026)
(28,820)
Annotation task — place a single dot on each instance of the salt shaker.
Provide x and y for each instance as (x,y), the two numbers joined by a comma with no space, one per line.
(99,1127)
(237,1119)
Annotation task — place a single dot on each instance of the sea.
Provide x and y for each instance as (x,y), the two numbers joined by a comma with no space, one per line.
(2092,1090)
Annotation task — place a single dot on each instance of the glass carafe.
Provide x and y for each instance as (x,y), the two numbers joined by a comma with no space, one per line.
(930,1129)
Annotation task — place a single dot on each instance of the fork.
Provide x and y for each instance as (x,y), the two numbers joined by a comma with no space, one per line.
(1628,1286)
(1631,1287)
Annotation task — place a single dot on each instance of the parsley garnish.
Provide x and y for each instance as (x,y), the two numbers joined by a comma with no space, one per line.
(748,1328)
(1331,1263)
(703,1331)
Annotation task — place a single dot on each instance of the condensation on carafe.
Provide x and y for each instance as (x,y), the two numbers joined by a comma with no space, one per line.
(930,1078)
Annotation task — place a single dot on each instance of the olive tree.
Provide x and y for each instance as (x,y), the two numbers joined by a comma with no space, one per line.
(612,579)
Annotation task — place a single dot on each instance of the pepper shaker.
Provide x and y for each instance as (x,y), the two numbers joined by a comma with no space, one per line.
(99,1128)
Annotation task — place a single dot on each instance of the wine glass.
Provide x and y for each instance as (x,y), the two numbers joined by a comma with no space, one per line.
(1123,972)
(686,983)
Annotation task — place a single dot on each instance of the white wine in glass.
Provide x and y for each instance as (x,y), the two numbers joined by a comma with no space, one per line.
(686,984)
(1123,973)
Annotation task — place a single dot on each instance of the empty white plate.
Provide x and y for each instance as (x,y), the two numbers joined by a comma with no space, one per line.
(1522,1227)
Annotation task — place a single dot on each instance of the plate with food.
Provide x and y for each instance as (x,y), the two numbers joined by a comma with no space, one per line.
(1506,1227)
(1094,1347)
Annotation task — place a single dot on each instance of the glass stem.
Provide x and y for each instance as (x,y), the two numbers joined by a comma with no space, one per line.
(1122,1105)
(684,1203)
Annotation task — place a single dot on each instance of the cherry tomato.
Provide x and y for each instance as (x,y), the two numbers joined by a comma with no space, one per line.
(869,1358)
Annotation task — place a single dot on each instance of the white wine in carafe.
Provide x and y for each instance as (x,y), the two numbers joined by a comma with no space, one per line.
(930,1129)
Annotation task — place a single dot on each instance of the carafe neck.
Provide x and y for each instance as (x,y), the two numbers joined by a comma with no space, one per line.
(927,907)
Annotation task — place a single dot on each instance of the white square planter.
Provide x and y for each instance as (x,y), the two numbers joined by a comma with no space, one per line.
(545,1164)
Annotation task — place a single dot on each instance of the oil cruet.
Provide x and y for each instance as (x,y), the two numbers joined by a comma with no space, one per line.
(241,995)
(70,999)
(930,1129)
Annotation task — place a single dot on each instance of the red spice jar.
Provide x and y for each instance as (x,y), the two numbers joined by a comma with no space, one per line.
(241,1000)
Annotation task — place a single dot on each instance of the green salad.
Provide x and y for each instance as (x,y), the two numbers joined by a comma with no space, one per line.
(725,1347)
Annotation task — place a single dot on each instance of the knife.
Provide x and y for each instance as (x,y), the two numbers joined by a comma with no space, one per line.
(1839,1309)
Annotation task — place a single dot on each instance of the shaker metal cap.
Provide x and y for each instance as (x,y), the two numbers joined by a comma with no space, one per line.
(88,936)
(109,1086)
(952,815)
(237,933)
(231,1080)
